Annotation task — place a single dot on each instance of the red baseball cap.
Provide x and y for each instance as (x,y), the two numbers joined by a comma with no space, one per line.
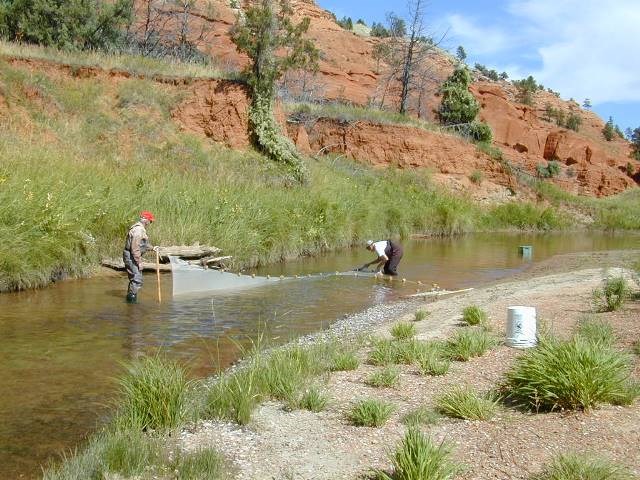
(147,215)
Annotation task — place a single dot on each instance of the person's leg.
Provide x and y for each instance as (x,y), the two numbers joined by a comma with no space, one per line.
(391,266)
(135,277)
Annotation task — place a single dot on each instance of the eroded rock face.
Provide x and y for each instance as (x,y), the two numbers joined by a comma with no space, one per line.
(591,165)
(217,109)
(348,72)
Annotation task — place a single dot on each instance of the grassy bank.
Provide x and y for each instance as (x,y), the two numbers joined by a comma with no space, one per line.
(82,156)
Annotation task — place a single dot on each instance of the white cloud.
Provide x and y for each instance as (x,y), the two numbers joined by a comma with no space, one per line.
(582,48)
(480,40)
(586,46)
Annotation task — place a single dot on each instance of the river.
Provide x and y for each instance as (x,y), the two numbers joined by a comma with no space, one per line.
(62,347)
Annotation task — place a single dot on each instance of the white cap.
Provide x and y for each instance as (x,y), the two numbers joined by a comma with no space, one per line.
(369,243)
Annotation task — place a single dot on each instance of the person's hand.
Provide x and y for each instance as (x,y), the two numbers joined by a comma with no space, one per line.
(156,249)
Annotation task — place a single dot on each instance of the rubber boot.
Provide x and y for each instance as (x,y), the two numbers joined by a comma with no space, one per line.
(132,298)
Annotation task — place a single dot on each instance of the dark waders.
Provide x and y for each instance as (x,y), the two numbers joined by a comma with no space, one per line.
(135,277)
(394,254)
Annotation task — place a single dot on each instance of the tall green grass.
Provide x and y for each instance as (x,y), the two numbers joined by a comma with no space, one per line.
(573,466)
(469,342)
(154,395)
(573,374)
(370,413)
(463,402)
(419,458)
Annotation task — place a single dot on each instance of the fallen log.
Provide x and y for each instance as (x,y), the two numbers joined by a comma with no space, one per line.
(146,266)
(188,251)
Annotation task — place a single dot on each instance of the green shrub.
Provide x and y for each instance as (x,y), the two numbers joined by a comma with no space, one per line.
(202,464)
(574,374)
(474,315)
(344,361)
(458,103)
(467,343)
(476,177)
(87,25)
(462,402)
(574,466)
(403,331)
(418,458)
(421,416)
(389,376)
(421,315)
(550,170)
(370,413)
(573,122)
(612,295)
(478,132)
(153,394)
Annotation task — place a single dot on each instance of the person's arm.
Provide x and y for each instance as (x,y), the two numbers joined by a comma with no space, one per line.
(381,260)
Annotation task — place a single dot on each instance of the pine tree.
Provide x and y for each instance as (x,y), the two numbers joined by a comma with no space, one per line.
(608,130)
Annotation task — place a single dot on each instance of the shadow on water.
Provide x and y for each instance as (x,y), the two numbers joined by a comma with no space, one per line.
(62,347)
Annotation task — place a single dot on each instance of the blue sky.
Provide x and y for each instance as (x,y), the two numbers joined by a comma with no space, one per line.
(580,48)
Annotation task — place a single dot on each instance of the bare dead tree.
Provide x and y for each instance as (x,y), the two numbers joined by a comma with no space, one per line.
(170,28)
(408,74)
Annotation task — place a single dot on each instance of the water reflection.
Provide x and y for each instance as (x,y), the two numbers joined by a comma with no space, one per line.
(61,347)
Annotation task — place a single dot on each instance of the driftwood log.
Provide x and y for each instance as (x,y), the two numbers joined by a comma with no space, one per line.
(204,254)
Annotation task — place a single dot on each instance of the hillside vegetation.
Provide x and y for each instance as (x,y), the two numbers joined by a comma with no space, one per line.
(81,157)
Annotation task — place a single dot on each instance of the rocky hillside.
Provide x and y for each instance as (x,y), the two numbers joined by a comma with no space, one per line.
(589,165)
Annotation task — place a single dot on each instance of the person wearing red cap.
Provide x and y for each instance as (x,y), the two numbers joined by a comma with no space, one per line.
(136,244)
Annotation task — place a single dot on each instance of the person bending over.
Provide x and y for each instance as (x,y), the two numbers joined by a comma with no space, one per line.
(388,255)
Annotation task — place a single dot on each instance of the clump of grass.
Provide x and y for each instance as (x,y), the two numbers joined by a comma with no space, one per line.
(129,452)
(344,361)
(573,466)
(370,413)
(313,399)
(469,342)
(418,458)
(474,315)
(636,347)
(595,330)
(476,177)
(389,376)
(612,295)
(154,394)
(403,331)
(205,463)
(421,416)
(384,352)
(407,351)
(421,315)
(465,403)
(234,396)
(573,374)
(433,362)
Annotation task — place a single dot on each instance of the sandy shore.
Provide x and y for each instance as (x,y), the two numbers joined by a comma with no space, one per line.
(280,444)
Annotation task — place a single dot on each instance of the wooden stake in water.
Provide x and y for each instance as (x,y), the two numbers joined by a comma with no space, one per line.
(158,275)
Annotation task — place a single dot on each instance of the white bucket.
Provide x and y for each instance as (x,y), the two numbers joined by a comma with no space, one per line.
(521,327)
